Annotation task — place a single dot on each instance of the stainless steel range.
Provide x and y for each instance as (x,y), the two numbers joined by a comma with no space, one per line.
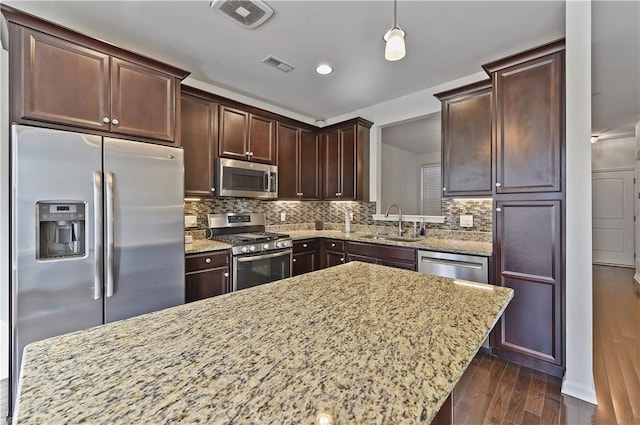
(257,256)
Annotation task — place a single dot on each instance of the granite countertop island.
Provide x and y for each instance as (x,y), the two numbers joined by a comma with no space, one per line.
(356,343)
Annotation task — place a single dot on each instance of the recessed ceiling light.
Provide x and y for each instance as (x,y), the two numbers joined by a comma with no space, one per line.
(324,69)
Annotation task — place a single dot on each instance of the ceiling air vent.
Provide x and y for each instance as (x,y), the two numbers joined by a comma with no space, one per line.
(278,64)
(248,13)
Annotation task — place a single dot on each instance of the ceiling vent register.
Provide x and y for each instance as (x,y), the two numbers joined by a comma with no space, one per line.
(248,13)
(278,64)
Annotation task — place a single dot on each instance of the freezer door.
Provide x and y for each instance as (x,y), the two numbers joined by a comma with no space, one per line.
(144,228)
(58,295)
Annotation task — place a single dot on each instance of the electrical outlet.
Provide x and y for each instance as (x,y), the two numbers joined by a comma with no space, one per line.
(466,220)
(351,216)
(283,216)
(190,221)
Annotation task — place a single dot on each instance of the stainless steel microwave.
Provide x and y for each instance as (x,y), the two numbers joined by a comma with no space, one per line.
(244,179)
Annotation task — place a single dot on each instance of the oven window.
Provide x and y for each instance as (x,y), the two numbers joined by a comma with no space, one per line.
(243,179)
(254,271)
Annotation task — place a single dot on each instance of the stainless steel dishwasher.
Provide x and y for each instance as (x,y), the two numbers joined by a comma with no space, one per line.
(456,266)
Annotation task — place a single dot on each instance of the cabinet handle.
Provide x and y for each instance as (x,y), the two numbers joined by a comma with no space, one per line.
(444,189)
(207,260)
(333,245)
(250,153)
(304,245)
(226,274)
(247,153)
(213,189)
(115,121)
(498,184)
(294,260)
(337,194)
(498,209)
(106,120)
(342,259)
(301,194)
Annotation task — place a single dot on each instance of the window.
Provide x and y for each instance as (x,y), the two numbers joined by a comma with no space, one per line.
(431,189)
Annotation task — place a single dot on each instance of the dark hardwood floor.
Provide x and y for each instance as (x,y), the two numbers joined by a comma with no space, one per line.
(493,391)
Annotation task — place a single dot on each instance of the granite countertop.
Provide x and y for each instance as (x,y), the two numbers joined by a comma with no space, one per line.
(360,343)
(456,246)
(205,245)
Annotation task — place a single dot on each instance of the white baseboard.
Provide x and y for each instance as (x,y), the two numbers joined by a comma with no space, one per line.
(636,277)
(581,392)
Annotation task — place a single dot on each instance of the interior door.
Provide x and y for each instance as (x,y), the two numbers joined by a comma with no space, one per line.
(144,228)
(613,228)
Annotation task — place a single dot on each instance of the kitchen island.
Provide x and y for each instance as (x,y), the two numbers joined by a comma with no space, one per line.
(356,343)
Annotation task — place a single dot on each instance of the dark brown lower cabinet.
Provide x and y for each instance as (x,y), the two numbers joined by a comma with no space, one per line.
(392,256)
(529,259)
(206,275)
(306,256)
(333,252)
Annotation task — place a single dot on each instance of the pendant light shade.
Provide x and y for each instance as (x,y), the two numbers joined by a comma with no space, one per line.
(395,48)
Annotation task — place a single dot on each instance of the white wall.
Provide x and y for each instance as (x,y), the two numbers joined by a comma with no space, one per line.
(430,158)
(578,380)
(614,154)
(400,182)
(637,204)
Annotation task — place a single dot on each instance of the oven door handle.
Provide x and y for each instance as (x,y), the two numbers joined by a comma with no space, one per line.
(263,256)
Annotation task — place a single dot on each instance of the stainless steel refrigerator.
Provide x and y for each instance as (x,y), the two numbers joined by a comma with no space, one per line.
(97,233)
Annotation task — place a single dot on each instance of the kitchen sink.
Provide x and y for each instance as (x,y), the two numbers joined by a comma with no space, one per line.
(390,238)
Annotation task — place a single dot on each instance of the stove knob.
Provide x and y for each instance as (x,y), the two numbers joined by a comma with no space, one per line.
(265,246)
(252,248)
(278,244)
(244,249)
(285,244)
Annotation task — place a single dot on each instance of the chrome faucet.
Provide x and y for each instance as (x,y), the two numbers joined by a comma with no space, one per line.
(386,214)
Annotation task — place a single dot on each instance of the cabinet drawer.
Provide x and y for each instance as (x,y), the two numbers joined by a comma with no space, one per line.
(334,245)
(383,251)
(195,262)
(305,245)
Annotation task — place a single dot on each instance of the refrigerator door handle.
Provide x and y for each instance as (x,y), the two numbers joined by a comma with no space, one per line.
(97,236)
(110,212)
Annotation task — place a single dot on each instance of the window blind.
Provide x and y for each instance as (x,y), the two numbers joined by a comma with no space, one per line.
(431,189)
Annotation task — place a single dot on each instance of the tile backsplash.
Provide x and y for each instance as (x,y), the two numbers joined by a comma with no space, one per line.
(298,212)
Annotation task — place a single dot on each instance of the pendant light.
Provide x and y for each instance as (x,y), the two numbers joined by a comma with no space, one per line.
(395,48)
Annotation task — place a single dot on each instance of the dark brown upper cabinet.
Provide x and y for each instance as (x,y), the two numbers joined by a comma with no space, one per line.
(528,92)
(466,140)
(345,153)
(62,79)
(199,141)
(298,163)
(246,136)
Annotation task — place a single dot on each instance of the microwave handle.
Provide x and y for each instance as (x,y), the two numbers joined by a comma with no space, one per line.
(267,182)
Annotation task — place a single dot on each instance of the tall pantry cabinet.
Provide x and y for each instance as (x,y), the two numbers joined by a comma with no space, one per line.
(529,205)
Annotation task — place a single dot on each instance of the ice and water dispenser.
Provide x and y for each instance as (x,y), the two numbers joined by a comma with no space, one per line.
(61,229)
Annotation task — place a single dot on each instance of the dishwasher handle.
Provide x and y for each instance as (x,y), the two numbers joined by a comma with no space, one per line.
(456,263)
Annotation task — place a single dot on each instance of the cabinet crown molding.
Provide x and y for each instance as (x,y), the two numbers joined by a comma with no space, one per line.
(536,52)
(468,88)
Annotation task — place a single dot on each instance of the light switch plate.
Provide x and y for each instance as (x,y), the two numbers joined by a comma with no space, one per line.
(283,216)
(190,221)
(466,220)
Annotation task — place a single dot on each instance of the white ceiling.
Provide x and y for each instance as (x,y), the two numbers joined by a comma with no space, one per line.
(446,40)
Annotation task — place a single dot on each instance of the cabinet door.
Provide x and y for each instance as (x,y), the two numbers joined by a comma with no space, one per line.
(206,283)
(348,163)
(198,138)
(334,258)
(529,126)
(529,260)
(232,137)
(331,160)
(466,144)
(262,139)
(304,262)
(60,82)
(287,162)
(309,165)
(143,101)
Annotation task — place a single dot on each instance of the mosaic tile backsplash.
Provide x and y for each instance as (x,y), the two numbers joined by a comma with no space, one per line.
(333,212)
